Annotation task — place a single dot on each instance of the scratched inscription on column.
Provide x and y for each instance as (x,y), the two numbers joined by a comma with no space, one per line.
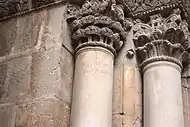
(96,68)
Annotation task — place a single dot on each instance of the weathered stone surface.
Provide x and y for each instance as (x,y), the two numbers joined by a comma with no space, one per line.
(186,105)
(118,89)
(186,72)
(39,3)
(15,85)
(34,66)
(127,100)
(67,69)
(46,73)
(37,76)
(10,8)
(20,34)
(186,100)
(23,33)
(27,31)
(7,115)
(117,120)
(56,27)
(163,95)
(93,88)
(8,36)
(43,113)
(50,112)
(132,95)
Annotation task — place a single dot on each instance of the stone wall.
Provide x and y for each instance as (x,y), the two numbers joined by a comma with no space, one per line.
(36,70)
(36,74)
(186,95)
(127,106)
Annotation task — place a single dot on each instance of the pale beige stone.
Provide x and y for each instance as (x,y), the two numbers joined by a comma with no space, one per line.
(8,36)
(20,34)
(56,24)
(118,89)
(132,96)
(186,106)
(15,80)
(163,95)
(67,69)
(46,73)
(43,113)
(117,120)
(93,88)
(36,63)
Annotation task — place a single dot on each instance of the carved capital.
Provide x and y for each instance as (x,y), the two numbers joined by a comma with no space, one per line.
(162,39)
(98,23)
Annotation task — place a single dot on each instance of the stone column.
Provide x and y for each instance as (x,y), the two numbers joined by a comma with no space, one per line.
(97,37)
(161,52)
(93,87)
(163,95)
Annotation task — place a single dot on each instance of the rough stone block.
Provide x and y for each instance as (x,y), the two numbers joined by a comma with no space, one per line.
(19,34)
(186,106)
(7,116)
(127,95)
(15,79)
(118,89)
(46,73)
(132,89)
(132,95)
(50,112)
(8,35)
(56,24)
(22,33)
(43,113)
(28,30)
(67,69)
(117,120)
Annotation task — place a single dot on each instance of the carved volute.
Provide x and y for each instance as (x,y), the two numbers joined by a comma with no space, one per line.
(98,23)
(162,39)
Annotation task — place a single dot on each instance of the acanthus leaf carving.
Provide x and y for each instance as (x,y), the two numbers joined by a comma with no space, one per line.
(162,39)
(98,21)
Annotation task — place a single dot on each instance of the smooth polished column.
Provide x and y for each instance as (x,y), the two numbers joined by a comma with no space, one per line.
(163,95)
(93,88)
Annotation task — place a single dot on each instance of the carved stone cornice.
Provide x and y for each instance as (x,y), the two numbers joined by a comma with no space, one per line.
(10,8)
(98,23)
(144,7)
(162,39)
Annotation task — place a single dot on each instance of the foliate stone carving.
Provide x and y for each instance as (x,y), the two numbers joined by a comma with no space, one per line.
(98,23)
(11,7)
(143,7)
(161,39)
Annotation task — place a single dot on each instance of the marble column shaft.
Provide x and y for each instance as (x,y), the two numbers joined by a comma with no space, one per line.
(163,95)
(93,88)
